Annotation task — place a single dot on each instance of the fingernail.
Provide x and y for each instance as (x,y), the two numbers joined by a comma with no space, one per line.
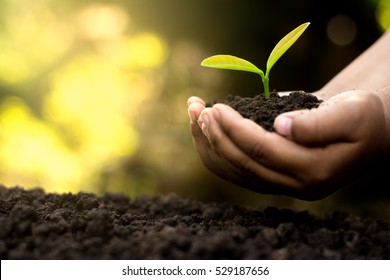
(216,115)
(204,119)
(283,125)
(204,123)
(192,115)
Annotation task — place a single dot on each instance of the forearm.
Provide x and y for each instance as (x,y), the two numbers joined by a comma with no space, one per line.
(370,71)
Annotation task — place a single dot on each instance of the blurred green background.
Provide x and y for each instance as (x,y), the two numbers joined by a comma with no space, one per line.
(93,93)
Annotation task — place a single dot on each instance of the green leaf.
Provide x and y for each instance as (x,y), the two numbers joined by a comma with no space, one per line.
(284,44)
(230,62)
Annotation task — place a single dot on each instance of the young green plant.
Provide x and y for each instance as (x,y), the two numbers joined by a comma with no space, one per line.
(230,62)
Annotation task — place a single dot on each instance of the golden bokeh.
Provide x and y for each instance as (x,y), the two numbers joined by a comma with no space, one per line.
(79,79)
(383,14)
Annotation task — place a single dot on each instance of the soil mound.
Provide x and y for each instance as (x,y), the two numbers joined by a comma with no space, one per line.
(39,225)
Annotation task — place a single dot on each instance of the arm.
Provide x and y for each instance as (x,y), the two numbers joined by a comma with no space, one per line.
(369,71)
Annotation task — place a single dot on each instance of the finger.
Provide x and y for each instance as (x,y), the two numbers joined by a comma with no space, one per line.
(210,158)
(194,111)
(195,99)
(236,138)
(268,149)
(338,120)
(201,143)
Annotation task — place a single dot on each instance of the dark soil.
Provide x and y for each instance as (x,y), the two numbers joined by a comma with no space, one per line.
(264,111)
(39,225)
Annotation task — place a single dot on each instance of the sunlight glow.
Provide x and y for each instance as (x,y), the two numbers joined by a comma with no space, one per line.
(89,101)
(79,78)
(33,40)
(101,22)
(31,151)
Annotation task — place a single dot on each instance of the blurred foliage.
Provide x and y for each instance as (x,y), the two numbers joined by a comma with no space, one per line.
(382,13)
(93,93)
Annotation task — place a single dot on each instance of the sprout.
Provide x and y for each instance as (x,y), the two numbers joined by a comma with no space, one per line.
(230,62)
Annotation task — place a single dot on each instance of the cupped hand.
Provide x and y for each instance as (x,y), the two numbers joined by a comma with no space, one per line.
(311,154)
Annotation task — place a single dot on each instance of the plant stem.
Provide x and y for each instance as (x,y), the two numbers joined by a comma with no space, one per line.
(265,80)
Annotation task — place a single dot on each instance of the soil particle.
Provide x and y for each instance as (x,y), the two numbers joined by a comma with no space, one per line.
(39,225)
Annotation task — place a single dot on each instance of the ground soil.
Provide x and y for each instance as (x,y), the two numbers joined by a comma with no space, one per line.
(264,111)
(39,225)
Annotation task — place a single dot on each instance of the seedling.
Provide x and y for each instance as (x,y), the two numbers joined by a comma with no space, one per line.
(230,62)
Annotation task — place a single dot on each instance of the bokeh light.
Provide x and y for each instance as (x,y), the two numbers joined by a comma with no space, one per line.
(341,30)
(383,14)
(63,131)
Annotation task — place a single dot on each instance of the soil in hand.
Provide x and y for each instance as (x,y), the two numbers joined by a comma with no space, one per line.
(264,111)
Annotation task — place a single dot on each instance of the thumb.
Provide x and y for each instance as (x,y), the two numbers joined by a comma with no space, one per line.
(326,124)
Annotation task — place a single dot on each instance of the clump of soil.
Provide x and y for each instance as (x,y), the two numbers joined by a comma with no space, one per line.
(264,111)
(39,225)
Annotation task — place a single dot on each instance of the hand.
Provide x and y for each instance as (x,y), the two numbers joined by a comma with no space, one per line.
(312,153)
